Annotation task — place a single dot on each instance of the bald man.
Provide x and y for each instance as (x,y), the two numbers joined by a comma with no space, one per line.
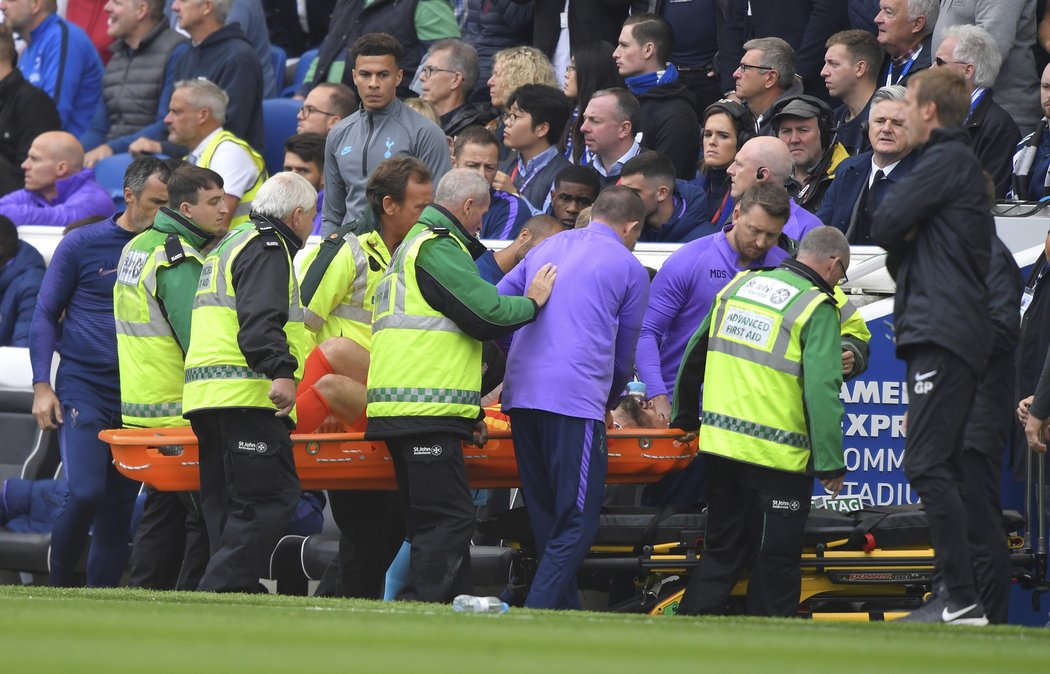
(59,191)
(764,159)
(493,266)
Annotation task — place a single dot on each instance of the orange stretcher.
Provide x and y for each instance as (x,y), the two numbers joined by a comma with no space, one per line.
(166,458)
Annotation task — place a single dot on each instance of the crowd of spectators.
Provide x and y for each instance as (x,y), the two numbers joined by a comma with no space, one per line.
(551,102)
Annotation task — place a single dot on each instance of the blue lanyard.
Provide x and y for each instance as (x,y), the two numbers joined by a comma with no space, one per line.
(975,103)
(532,172)
(907,68)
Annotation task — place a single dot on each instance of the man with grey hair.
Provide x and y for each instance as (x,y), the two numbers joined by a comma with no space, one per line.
(805,25)
(248,346)
(861,181)
(971,50)
(905,29)
(139,79)
(608,130)
(450,74)
(222,54)
(765,75)
(559,415)
(196,117)
(432,311)
(1013,27)
(74,316)
(761,457)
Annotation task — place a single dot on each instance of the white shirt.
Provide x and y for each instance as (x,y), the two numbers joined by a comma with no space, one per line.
(562,55)
(617,166)
(231,161)
(886,170)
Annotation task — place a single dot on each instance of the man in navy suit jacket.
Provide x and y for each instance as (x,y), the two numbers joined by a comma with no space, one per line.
(861,181)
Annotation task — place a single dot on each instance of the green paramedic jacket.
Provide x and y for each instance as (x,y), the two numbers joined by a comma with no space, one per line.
(152,300)
(432,310)
(769,358)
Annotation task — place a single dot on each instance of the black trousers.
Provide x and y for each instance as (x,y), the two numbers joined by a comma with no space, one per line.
(372,530)
(941,389)
(249,490)
(987,436)
(439,515)
(171,544)
(756,518)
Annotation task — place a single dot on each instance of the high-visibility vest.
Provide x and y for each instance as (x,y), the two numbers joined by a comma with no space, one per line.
(753,394)
(422,363)
(150,356)
(217,374)
(348,278)
(851,323)
(244,207)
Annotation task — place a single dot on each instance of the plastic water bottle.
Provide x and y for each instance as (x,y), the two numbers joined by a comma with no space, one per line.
(466,603)
(636,389)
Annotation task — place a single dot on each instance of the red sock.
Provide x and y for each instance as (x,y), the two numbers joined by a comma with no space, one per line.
(311,409)
(316,366)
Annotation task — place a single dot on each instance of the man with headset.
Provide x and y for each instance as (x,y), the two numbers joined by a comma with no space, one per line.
(807,125)
(689,279)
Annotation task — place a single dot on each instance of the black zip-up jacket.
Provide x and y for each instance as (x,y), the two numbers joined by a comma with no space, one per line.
(937,227)
(260,279)
(669,126)
(988,427)
(995,137)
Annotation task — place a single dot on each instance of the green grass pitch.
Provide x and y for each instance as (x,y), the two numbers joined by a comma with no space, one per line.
(112,631)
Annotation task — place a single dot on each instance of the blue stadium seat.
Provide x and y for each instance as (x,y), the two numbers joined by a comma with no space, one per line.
(110,174)
(279,58)
(300,71)
(279,122)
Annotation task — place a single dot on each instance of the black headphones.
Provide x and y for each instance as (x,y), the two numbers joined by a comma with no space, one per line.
(743,119)
(825,117)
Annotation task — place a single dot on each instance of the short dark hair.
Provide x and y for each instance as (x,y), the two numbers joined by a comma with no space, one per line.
(653,28)
(543,225)
(478,135)
(946,89)
(139,171)
(390,179)
(545,105)
(618,205)
(342,99)
(630,406)
(187,181)
(307,146)
(652,166)
(773,199)
(862,46)
(377,44)
(578,175)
